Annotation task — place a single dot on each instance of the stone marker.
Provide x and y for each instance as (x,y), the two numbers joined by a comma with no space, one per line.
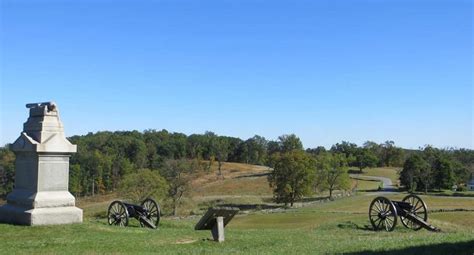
(41,195)
(215,220)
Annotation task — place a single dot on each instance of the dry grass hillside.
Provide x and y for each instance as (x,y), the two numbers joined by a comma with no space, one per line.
(236,180)
(239,184)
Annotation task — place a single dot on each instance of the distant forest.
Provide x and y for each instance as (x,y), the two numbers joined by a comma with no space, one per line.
(103,158)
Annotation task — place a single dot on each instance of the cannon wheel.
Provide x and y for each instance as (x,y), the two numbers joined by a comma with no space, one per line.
(383,214)
(418,208)
(153,213)
(117,214)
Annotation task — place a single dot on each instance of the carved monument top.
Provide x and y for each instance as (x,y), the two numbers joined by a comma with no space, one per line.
(43,131)
(43,109)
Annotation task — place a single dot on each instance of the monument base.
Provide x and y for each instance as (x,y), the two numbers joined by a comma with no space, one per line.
(13,214)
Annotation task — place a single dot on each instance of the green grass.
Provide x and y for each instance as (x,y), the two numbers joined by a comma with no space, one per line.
(388,172)
(450,193)
(326,233)
(365,185)
(340,226)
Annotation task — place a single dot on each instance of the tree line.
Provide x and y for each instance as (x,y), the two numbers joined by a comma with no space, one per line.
(105,158)
(432,169)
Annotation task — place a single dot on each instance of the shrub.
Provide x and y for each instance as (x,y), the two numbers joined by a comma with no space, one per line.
(143,184)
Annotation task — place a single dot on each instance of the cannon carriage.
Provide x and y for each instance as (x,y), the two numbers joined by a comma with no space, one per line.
(412,210)
(148,213)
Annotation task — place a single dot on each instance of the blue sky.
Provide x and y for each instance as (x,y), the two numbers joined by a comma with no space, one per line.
(325,70)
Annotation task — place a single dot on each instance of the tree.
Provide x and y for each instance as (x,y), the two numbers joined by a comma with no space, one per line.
(195,146)
(7,171)
(416,173)
(292,176)
(222,153)
(120,167)
(143,184)
(253,150)
(443,173)
(391,155)
(365,158)
(273,147)
(331,173)
(316,151)
(348,149)
(289,143)
(75,179)
(178,174)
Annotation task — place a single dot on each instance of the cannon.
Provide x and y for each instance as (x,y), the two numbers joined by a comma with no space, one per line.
(413,213)
(148,213)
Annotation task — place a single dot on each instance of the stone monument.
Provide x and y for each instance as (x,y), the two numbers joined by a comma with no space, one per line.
(40,195)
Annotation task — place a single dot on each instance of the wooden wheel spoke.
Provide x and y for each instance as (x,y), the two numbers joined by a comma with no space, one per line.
(376,206)
(385,224)
(376,221)
(418,208)
(415,205)
(382,206)
(114,209)
(385,207)
(378,225)
(115,221)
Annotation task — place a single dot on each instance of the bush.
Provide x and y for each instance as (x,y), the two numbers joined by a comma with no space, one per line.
(143,184)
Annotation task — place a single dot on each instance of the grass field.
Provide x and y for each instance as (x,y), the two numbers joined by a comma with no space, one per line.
(335,227)
(365,185)
(389,172)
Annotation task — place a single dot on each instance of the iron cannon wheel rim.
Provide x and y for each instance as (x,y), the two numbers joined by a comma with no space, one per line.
(117,214)
(419,209)
(382,214)
(153,209)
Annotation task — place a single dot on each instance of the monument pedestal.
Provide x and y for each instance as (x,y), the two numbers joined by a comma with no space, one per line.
(41,208)
(41,216)
(41,195)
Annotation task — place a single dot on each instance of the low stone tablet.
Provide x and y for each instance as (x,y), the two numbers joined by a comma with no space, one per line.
(215,219)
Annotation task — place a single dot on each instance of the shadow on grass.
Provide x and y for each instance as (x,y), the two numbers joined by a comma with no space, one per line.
(441,193)
(460,248)
(365,179)
(245,207)
(352,225)
(455,194)
(252,175)
(315,199)
(353,171)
